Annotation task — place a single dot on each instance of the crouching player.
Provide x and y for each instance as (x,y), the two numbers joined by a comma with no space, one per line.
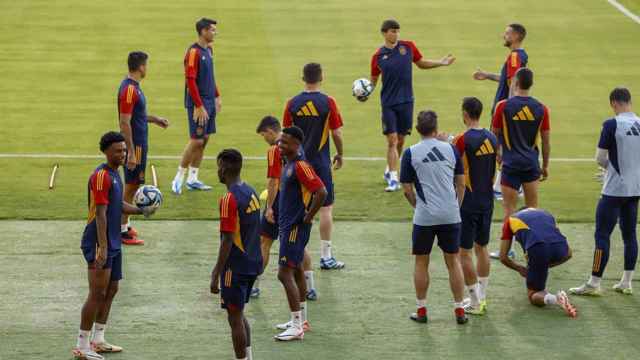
(544,246)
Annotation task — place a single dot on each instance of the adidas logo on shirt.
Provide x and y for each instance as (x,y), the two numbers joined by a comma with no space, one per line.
(524,114)
(485,149)
(433,156)
(635,130)
(308,109)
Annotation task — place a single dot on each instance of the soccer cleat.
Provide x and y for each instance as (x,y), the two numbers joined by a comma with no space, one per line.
(331,264)
(290,334)
(86,354)
(393,186)
(176,186)
(288,325)
(586,290)
(473,309)
(420,316)
(131,240)
(255,293)
(105,347)
(496,255)
(461,317)
(387,177)
(623,289)
(563,301)
(132,232)
(198,185)
(312,295)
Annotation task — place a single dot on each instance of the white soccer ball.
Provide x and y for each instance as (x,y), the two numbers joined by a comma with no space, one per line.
(148,196)
(362,88)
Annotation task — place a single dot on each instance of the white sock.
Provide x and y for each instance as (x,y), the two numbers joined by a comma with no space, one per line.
(386,170)
(420,303)
(393,175)
(193,174)
(497,184)
(308,278)
(84,338)
(550,299)
(325,249)
(474,291)
(180,173)
(296,319)
(303,310)
(594,281)
(98,332)
(249,353)
(484,284)
(627,276)
(123,228)
(458,305)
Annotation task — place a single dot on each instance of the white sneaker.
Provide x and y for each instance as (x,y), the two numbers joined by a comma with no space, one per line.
(292,333)
(623,288)
(176,185)
(86,354)
(393,186)
(586,289)
(288,325)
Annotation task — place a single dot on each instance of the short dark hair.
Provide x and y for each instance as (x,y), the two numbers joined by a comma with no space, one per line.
(136,59)
(294,132)
(388,25)
(268,122)
(620,95)
(312,73)
(525,78)
(519,29)
(472,106)
(232,159)
(427,122)
(110,138)
(204,23)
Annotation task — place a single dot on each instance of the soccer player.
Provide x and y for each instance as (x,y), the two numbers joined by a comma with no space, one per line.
(318,116)
(477,147)
(545,246)
(302,193)
(520,123)
(617,152)
(202,101)
(428,171)
(132,112)
(101,245)
(270,130)
(393,60)
(239,258)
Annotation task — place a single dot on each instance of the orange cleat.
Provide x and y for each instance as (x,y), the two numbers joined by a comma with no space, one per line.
(132,232)
(131,240)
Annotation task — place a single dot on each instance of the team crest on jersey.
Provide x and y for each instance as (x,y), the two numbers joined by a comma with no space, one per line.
(289,172)
(385,57)
(402,50)
(204,58)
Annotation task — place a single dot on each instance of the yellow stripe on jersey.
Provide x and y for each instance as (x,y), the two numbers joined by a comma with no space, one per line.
(192,57)
(514,59)
(130,90)
(293,235)
(312,108)
(490,148)
(517,224)
(237,239)
(528,113)
(325,132)
(505,133)
(305,110)
(467,174)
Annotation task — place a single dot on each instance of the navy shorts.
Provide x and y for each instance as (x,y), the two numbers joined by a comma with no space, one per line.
(325,174)
(114,262)
(539,257)
(515,178)
(292,244)
(201,132)
(397,119)
(448,238)
(268,229)
(136,176)
(476,228)
(235,290)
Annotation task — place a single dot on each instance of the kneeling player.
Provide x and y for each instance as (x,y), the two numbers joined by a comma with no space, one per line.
(239,257)
(545,247)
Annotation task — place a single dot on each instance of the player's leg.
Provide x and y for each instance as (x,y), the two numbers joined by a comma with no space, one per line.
(481,249)
(628,222)
(266,242)
(449,242)
(327,260)
(292,245)
(510,183)
(539,259)
(312,293)
(468,233)
(531,193)
(404,116)
(392,161)
(187,153)
(235,316)
(193,183)
(247,330)
(390,131)
(422,243)
(99,343)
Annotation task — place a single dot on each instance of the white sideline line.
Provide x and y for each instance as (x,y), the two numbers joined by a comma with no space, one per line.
(624,10)
(174,157)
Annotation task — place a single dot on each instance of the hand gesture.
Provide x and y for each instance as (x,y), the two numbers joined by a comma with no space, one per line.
(131,160)
(218,105)
(545,174)
(101,257)
(162,122)
(337,162)
(447,60)
(269,215)
(480,75)
(214,285)
(200,115)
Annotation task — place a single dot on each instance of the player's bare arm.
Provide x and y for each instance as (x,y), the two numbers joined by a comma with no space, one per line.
(460,188)
(272,190)
(505,246)
(226,243)
(130,209)
(431,64)
(546,151)
(160,121)
(125,129)
(218,104)
(409,194)
(497,132)
(336,136)
(602,157)
(318,200)
(480,74)
(101,226)
(200,115)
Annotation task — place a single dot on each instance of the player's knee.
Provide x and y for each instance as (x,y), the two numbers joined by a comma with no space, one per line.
(197,143)
(113,290)
(284,275)
(392,140)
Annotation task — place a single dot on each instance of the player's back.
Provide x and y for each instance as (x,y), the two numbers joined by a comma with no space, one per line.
(246,256)
(533,226)
(521,119)
(621,137)
(477,147)
(104,188)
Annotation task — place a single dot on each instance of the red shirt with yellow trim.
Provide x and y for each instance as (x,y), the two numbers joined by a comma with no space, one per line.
(297,185)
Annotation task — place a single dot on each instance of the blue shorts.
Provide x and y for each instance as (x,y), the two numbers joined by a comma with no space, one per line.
(114,262)
(268,229)
(475,228)
(325,174)
(448,238)
(515,178)
(201,132)
(539,257)
(235,290)
(292,244)
(397,119)
(136,176)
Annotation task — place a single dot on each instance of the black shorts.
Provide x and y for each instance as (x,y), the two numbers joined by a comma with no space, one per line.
(235,290)
(539,257)
(476,228)
(201,132)
(293,241)
(448,238)
(114,262)
(515,178)
(136,176)
(397,119)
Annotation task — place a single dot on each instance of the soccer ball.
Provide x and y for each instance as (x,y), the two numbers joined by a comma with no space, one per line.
(148,196)
(362,88)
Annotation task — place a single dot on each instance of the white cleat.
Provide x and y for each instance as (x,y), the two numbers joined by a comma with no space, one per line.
(393,186)
(288,325)
(176,186)
(86,354)
(292,333)
(623,288)
(105,347)
(586,290)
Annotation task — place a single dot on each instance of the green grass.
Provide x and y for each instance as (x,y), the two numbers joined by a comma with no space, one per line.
(164,310)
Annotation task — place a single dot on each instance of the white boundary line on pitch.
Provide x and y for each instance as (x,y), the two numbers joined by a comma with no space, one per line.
(174,157)
(624,10)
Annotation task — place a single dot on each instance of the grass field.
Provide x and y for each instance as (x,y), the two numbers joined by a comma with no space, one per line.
(61,63)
